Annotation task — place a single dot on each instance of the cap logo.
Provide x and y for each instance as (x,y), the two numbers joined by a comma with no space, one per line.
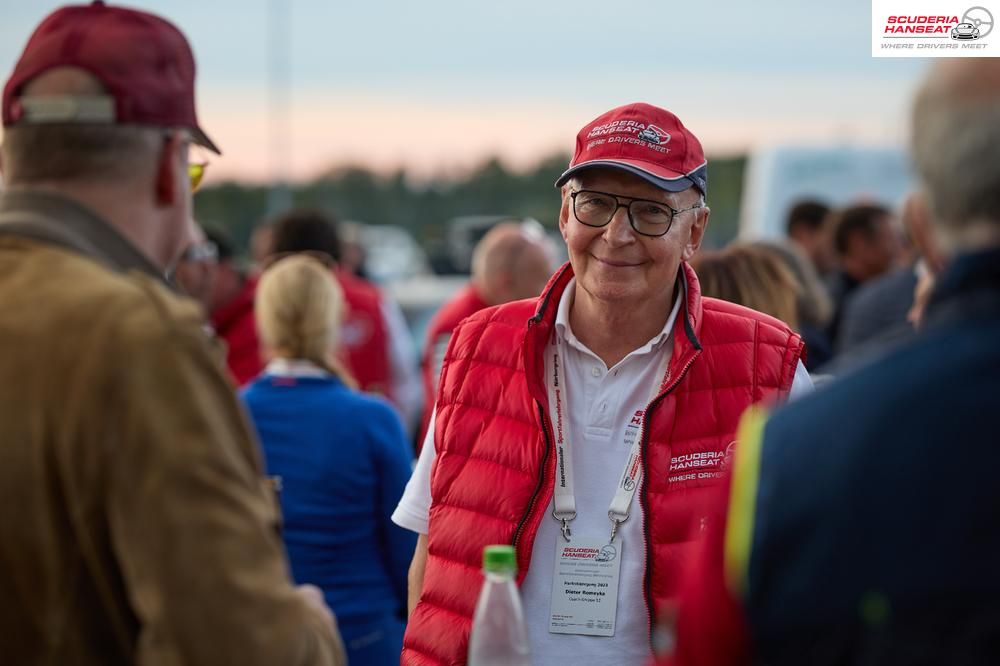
(654,134)
(629,131)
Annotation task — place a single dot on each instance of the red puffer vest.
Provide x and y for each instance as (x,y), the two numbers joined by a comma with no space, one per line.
(494,474)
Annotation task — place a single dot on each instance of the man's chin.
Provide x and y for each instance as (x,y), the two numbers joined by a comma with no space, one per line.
(624,294)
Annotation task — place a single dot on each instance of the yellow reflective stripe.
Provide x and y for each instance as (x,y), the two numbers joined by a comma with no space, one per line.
(743,498)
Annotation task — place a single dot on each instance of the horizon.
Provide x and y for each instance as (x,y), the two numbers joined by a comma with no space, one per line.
(440,89)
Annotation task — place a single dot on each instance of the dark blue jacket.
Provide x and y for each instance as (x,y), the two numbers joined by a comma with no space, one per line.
(877,527)
(343,460)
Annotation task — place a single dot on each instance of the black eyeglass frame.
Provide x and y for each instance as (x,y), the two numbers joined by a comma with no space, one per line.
(628,209)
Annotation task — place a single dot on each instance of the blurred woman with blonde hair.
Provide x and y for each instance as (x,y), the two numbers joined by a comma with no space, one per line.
(339,458)
(752,277)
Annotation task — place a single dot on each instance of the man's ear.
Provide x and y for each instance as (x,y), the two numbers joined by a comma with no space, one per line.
(564,212)
(169,183)
(697,232)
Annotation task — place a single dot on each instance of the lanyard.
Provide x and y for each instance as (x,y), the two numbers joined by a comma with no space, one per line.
(564,509)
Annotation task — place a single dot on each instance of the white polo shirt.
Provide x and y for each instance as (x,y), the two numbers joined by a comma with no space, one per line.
(600,402)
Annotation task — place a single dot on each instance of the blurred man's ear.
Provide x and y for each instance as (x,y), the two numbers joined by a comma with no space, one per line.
(917,219)
(697,232)
(169,183)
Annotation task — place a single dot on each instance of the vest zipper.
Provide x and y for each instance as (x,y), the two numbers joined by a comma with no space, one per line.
(523,566)
(643,497)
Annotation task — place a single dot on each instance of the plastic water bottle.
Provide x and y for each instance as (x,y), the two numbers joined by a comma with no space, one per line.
(499,637)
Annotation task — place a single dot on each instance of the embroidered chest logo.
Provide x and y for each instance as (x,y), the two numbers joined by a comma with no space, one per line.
(697,465)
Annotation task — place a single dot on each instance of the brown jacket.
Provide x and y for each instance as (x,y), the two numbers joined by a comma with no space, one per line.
(135,527)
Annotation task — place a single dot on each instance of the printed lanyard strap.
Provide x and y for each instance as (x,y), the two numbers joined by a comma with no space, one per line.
(564,509)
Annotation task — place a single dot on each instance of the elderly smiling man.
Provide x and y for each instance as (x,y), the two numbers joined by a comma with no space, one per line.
(553,413)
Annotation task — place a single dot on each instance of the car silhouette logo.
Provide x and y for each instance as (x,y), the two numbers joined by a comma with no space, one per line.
(965,31)
(649,135)
(608,554)
(654,135)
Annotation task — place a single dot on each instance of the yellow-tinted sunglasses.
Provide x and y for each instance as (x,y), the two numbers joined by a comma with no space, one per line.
(196,172)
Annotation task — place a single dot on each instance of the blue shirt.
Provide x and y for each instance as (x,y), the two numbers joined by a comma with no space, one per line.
(344,460)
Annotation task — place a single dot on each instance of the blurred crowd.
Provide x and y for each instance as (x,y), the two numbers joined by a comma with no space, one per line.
(211,458)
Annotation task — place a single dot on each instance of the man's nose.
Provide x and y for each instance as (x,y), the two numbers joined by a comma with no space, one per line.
(619,231)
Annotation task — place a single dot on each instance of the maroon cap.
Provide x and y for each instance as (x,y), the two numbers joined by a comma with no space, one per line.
(143,61)
(646,141)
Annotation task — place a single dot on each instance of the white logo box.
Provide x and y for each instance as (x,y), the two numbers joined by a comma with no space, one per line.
(935,29)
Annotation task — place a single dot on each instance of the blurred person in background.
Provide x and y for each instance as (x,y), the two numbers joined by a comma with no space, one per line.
(860,527)
(813,304)
(512,261)
(876,315)
(261,245)
(352,252)
(339,457)
(195,271)
(376,342)
(620,375)
(868,246)
(807,227)
(750,276)
(231,309)
(134,527)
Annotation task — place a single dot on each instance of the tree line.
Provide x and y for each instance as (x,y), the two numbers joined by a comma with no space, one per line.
(423,207)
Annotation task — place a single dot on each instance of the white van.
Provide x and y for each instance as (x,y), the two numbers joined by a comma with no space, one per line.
(778,178)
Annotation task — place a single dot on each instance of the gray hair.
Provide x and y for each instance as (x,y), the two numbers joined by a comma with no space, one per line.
(575,183)
(956,150)
(88,153)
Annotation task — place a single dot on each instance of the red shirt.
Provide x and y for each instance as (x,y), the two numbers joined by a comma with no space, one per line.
(364,335)
(235,324)
(463,304)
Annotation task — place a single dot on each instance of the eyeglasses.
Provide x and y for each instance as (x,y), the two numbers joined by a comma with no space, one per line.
(647,218)
(196,169)
(196,172)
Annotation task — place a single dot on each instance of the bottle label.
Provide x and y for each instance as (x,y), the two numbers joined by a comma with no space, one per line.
(585,587)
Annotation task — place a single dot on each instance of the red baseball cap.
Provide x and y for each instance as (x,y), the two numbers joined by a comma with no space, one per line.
(144,62)
(646,141)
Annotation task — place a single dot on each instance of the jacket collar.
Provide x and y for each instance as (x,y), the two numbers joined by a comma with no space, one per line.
(540,326)
(969,288)
(58,220)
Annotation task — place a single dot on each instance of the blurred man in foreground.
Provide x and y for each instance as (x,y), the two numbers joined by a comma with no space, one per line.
(861,526)
(555,412)
(135,527)
(512,261)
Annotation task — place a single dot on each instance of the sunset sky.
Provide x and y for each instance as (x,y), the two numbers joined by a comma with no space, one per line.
(437,86)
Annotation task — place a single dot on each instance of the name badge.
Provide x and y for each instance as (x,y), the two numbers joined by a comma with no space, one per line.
(585,587)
